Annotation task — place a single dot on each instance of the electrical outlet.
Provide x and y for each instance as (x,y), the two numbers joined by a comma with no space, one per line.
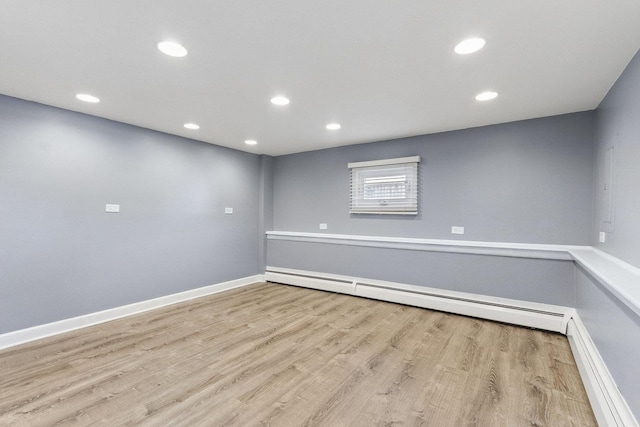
(228,211)
(457,230)
(112,208)
(602,237)
(323,226)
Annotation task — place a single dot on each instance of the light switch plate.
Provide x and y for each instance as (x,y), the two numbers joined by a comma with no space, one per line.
(112,208)
(228,211)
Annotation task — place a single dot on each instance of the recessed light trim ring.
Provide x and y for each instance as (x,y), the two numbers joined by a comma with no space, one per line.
(470,45)
(172,49)
(87,98)
(280,100)
(486,95)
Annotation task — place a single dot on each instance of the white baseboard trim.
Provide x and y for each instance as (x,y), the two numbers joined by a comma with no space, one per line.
(22,336)
(609,406)
(313,280)
(542,316)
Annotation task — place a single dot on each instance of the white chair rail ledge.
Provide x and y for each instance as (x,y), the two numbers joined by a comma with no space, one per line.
(620,278)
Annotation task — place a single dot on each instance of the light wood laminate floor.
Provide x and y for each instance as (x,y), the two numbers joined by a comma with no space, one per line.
(278,355)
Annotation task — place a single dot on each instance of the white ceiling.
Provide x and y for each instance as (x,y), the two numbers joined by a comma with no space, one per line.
(383,69)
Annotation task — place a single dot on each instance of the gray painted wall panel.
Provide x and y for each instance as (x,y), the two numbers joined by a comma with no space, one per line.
(615,330)
(528,182)
(613,327)
(265,219)
(544,281)
(618,125)
(61,255)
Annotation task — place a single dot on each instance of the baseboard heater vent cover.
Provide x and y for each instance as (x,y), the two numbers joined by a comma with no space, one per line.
(523,313)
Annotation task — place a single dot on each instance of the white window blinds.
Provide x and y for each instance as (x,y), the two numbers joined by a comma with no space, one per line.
(385,186)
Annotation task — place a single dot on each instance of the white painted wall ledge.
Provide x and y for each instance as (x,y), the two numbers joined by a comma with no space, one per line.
(518,250)
(618,277)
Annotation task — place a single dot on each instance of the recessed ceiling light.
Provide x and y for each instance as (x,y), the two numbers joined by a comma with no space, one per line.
(87,98)
(280,100)
(333,126)
(172,49)
(486,96)
(470,45)
(251,142)
(191,126)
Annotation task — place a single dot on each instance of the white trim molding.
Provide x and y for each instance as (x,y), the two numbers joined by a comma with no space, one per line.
(618,277)
(384,162)
(607,403)
(22,336)
(536,315)
(519,250)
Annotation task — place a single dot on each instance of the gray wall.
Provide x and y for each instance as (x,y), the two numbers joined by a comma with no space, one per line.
(61,255)
(265,222)
(528,181)
(614,328)
(537,280)
(618,125)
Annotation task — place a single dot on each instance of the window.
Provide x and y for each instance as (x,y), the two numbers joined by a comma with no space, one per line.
(385,186)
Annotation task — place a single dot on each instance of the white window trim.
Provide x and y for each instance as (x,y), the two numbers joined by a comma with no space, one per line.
(413,159)
(358,204)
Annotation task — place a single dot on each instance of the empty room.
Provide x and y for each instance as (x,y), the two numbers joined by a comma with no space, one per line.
(332,213)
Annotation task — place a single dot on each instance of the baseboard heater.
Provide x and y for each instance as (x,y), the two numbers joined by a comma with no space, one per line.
(523,313)
(608,404)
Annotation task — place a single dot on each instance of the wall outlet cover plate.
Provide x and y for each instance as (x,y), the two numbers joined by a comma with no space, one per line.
(457,230)
(112,208)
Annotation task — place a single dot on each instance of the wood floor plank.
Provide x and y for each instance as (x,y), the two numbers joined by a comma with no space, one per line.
(278,355)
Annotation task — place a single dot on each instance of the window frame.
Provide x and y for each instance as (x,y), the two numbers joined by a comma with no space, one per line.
(384,176)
